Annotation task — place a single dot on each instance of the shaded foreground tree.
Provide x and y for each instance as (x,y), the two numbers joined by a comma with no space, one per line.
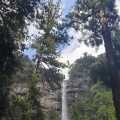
(12,32)
(98,20)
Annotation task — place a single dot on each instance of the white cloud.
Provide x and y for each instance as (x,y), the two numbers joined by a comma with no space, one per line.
(118,6)
(75,50)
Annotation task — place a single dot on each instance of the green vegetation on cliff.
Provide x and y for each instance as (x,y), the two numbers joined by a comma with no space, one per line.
(96,102)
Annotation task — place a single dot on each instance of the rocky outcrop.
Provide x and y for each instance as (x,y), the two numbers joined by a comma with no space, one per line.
(76,88)
(50,99)
(79,82)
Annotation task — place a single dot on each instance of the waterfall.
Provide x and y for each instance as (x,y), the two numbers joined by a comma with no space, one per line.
(64,101)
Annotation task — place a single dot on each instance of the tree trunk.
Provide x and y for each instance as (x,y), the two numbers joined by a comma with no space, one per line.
(37,66)
(113,68)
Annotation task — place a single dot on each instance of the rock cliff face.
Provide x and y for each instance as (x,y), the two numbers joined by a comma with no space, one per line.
(50,99)
(76,88)
(79,81)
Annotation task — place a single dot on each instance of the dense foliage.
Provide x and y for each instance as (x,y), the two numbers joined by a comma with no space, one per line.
(96,102)
(81,66)
(14,17)
(23,100)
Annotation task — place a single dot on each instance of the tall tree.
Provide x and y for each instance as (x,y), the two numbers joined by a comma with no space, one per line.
(99,19)
(47,44)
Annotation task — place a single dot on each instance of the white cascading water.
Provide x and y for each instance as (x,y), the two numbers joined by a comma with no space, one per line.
(64,101)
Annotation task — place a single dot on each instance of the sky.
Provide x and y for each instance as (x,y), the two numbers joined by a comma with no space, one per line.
(75,50)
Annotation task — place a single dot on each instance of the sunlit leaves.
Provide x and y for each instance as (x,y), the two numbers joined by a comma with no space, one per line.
(96,104)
